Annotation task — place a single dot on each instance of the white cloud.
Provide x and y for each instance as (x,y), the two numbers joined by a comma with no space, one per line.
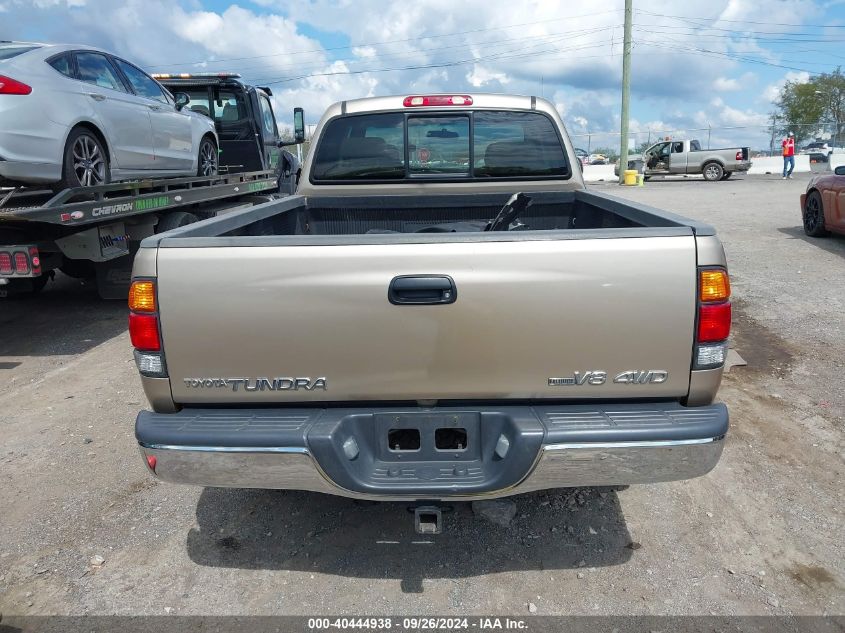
(571,51)
(481,76)
(365,52)
(771,93)
(723,84)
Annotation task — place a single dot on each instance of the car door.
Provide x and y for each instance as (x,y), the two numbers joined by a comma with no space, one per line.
(838,188)
(269,132)
(658,158)
(125,118)
(677,158)
(172,131)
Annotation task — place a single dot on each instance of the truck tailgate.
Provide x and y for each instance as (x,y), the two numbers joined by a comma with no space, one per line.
(531,319)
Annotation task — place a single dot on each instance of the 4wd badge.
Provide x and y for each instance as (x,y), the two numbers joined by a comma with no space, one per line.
(599,377)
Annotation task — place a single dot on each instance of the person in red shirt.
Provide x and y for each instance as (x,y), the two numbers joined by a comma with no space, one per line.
(788,155)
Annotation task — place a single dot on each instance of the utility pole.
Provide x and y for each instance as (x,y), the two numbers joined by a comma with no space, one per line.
(772,145)
(626,91)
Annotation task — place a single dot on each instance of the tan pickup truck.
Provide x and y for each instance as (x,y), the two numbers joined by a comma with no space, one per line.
(442,312)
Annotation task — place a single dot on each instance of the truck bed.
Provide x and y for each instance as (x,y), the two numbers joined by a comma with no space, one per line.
(388,219)
(309,288)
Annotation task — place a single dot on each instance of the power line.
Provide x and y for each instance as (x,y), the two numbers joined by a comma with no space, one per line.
(717,19)
(544,39)
(448,64)
(805,37)
(712,53)
(399,41)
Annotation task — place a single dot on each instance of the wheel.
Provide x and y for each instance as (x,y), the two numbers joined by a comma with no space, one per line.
(713,172)
(814,215)
(207,159)
(86,162)
(174,220)
(726,175)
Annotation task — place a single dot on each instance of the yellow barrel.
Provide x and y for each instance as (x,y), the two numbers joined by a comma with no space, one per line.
(630,177)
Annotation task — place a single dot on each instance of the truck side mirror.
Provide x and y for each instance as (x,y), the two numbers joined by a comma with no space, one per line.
(298,125)
(181,100)
(298,129)
(840,171)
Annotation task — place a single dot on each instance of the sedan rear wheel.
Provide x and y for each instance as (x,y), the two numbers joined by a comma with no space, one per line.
(86,163)
(207,161)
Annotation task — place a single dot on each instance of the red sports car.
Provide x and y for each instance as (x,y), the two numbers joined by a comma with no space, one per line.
(823,204)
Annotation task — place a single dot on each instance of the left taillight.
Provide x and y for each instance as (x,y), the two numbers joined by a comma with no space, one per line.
(714,318)
(144,331)
(739,155)
(9,86)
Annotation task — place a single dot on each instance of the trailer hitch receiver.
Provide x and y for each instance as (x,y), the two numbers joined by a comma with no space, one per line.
(428,520)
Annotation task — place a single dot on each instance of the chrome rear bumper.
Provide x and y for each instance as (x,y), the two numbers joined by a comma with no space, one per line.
(557,464)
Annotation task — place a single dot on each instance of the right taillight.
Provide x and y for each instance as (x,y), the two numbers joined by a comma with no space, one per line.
(714,323)
(144,329)
(714,318)
(9,86)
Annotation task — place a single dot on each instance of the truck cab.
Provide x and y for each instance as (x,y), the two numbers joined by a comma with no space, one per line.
(245,121)
(670,157)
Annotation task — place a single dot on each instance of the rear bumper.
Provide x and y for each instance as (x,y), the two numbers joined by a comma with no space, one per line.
(510,450)
(743,166)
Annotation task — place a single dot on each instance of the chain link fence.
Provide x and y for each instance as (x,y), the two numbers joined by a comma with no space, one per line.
(764,140)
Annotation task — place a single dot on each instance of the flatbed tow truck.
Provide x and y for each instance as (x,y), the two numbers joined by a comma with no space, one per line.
(91,231)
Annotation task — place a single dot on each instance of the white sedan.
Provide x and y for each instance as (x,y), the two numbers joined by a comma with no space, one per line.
(74,116)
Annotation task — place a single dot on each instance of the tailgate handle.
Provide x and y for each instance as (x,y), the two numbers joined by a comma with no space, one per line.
(422,290)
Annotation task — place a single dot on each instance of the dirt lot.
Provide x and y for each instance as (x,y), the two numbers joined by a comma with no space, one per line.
(762,534)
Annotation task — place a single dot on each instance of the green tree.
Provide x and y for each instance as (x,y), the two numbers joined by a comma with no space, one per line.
(642,147)
(803,107)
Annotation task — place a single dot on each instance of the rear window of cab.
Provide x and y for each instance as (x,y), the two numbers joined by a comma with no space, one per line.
(478,145)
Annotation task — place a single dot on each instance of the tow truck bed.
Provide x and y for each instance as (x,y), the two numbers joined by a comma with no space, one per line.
(91,231)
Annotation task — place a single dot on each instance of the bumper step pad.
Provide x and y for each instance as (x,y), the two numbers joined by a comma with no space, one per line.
(435,453)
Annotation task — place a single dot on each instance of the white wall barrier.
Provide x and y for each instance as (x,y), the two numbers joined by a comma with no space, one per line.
(766,165)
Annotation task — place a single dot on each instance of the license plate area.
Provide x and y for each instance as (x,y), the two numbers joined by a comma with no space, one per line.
(405,437)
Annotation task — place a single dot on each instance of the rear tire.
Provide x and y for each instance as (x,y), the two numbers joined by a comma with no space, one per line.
(86,163)
(207,158)
(813,215)
(713,172)
(174,220)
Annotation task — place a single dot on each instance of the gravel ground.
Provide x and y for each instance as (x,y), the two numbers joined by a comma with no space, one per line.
(87,531)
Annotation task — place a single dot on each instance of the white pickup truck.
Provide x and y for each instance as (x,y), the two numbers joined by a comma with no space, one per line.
(443,312)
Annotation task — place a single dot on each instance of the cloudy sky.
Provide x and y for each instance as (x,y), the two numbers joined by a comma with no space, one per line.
(696,64)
